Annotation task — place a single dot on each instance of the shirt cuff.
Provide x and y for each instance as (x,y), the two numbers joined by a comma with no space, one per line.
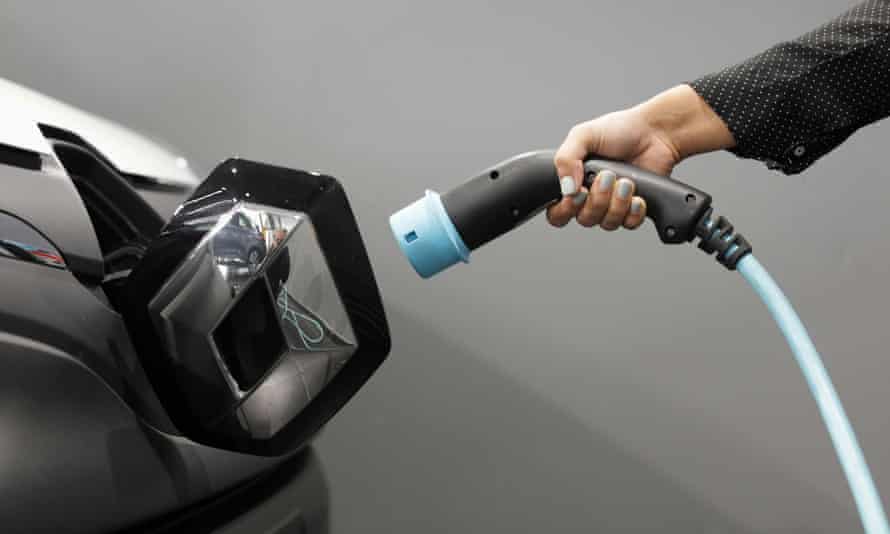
(757,121)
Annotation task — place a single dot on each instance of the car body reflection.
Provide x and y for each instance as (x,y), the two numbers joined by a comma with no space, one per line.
(21,241)
(240,242)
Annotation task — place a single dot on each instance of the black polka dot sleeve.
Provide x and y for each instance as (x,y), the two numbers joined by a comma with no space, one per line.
(795,102)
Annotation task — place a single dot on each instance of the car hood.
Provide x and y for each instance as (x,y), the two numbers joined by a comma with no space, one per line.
(23,109)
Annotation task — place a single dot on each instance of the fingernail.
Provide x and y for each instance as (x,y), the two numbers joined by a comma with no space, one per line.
(580,197)
(635,206)
(624,187)
(607,180)
(567,185)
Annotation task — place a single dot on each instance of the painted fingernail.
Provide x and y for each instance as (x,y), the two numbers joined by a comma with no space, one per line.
(580,197)
(607,180)
(636,206)
(567,185)
(624,188)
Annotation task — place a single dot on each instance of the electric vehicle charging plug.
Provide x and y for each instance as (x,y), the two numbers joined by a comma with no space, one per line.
(436,232)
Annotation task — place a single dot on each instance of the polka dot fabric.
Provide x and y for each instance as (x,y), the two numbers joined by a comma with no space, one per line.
(795,102)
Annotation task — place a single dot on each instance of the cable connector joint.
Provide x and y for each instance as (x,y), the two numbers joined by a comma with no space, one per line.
(717,235)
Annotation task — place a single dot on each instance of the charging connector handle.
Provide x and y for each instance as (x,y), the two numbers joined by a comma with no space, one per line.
(504,195)
(673,206)
(436,231)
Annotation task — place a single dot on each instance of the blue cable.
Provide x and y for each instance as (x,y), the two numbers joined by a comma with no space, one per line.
(868,501)
(293,317)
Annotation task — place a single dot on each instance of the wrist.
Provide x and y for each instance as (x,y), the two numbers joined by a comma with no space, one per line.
(680,118)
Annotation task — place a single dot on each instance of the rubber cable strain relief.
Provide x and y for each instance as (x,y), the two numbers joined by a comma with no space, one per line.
(717,235)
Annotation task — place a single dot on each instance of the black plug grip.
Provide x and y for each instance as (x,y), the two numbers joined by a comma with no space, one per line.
(673,206)
(501,197)
(507,194)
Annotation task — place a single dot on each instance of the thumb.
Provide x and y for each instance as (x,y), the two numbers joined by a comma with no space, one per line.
(583,139)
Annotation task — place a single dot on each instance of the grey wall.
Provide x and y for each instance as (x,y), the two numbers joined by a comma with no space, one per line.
(565,381)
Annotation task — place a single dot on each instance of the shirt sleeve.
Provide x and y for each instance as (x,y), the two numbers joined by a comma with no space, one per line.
(798,100)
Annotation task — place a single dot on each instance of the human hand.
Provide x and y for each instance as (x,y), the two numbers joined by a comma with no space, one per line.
(655,136)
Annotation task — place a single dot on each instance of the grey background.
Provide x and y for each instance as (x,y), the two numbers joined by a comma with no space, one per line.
(565,381)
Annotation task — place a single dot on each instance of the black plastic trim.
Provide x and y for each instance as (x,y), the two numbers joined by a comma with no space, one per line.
(20,157)
(53,133)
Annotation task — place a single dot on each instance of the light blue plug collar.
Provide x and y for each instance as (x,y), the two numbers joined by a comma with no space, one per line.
(427,236)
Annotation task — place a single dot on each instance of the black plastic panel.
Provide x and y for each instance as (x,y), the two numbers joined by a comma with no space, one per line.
(77,460)
(51,204)
(194,389)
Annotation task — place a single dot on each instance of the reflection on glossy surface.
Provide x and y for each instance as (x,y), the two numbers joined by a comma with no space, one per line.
(243,240)
(19,240)
(316,328)
(257,299)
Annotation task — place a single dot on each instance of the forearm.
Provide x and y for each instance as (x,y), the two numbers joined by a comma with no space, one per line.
(684,121)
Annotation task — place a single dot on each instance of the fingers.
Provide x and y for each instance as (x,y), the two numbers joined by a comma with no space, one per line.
(611,204)
(561,213)
(619,206)
(637,213)
(598,201)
